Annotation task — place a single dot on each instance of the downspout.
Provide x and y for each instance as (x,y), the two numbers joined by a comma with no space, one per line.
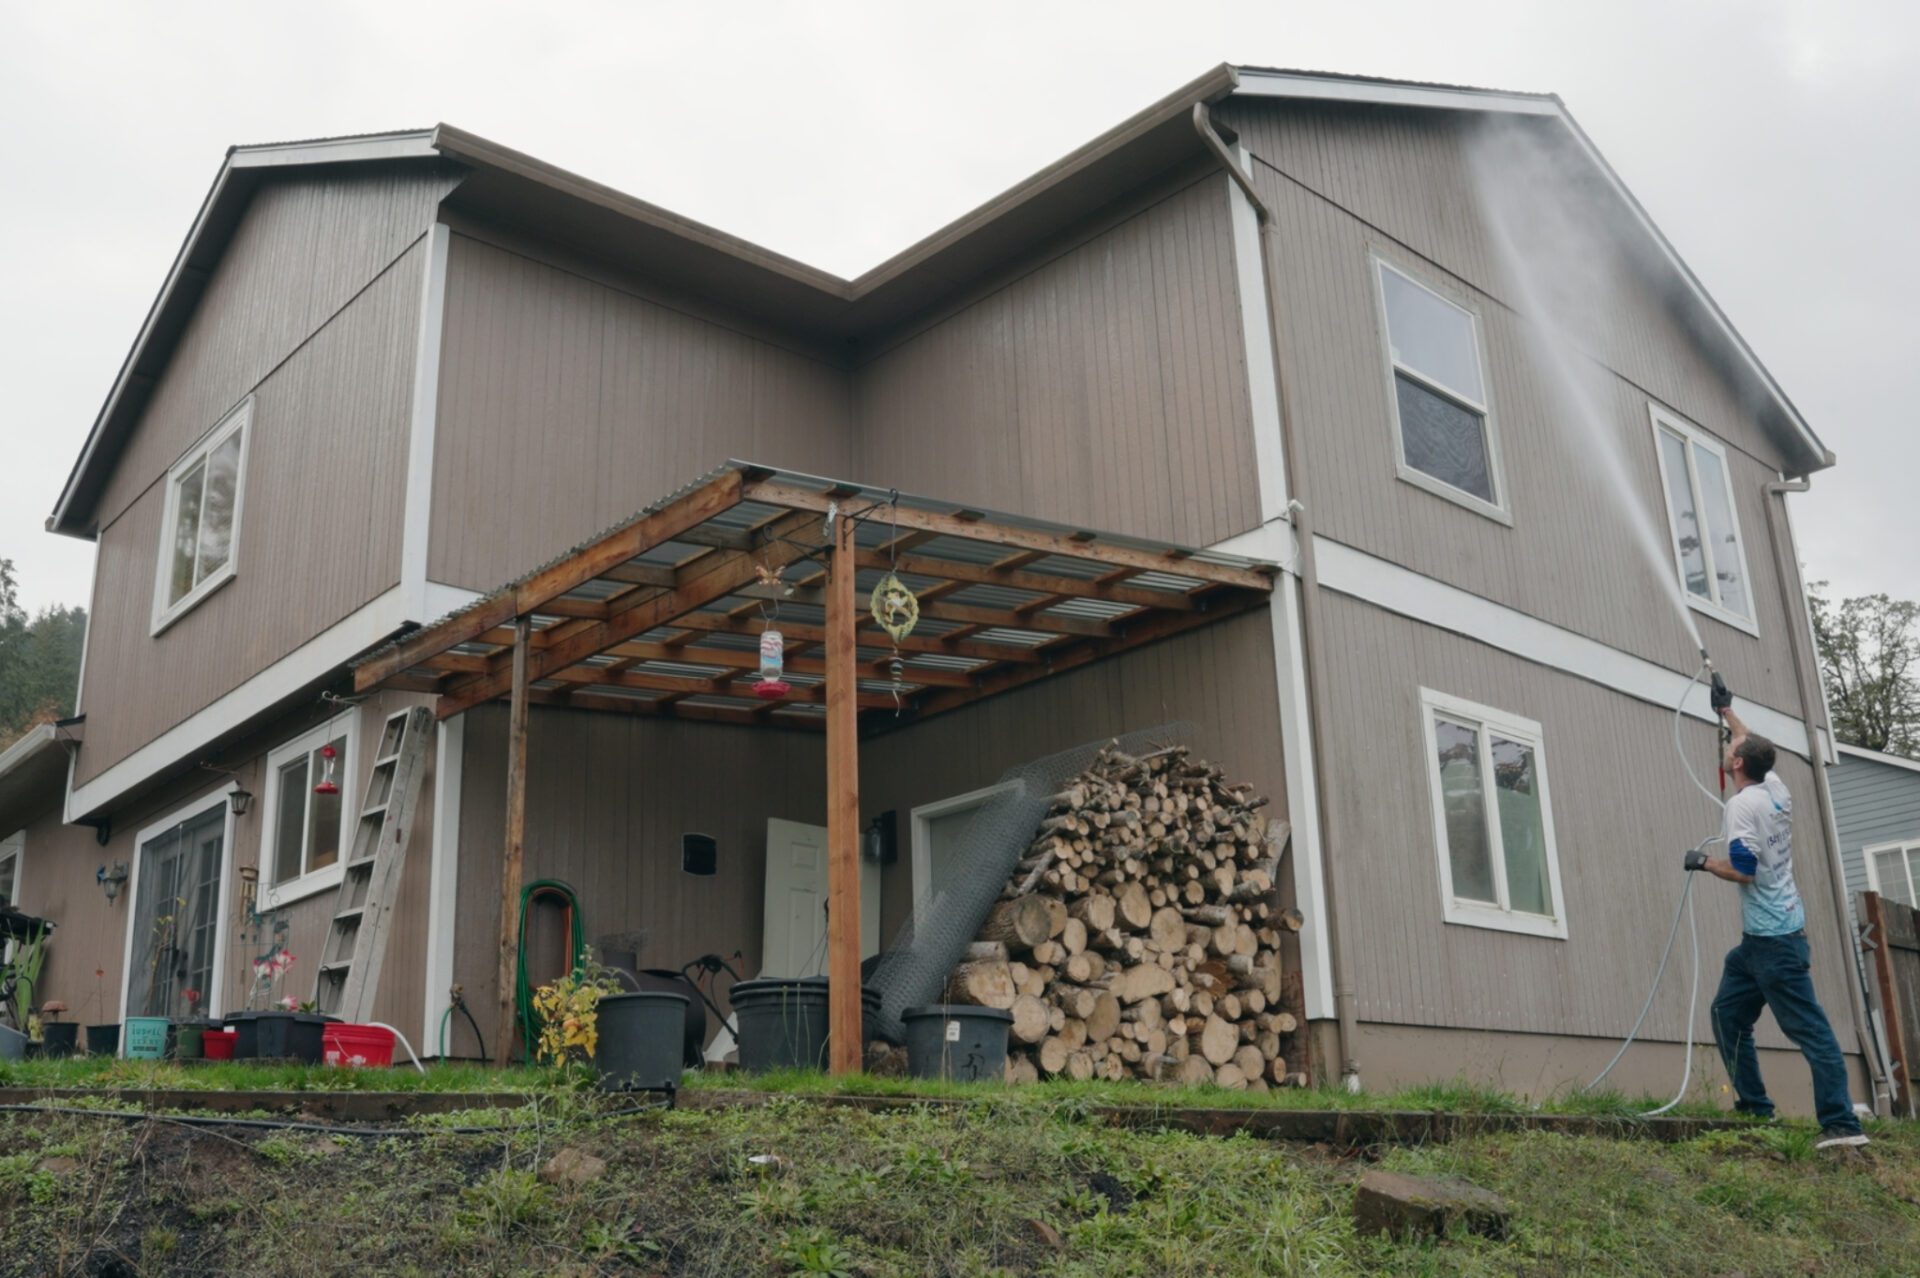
(1790,589)
(1302,523)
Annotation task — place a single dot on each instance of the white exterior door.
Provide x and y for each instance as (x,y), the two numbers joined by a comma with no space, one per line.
(795,921)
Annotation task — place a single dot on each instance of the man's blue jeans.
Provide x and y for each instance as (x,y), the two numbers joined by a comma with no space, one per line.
(1775,972)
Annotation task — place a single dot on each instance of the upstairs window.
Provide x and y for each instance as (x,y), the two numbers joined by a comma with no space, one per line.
(1492,823)
(1695,478)
(1447,444)
(202,519)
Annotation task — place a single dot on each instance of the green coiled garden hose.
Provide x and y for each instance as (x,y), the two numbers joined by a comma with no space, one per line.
(522,989)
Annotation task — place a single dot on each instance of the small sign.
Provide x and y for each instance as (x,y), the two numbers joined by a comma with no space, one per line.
(953,1031)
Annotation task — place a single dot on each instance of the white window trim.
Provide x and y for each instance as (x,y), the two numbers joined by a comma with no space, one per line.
(1666,419)
(275,895)
(1905,847)
(920,821)
(215,997)
(165,614)
(1496,509)
(1515,728)
(18,855)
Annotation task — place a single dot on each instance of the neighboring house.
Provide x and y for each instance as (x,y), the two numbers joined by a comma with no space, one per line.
(1876,805)
(389,373)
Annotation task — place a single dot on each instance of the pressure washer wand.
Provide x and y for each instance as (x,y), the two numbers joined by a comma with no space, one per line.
(1721,698)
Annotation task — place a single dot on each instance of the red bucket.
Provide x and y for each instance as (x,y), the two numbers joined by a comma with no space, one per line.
(217,1045)
(356,1045)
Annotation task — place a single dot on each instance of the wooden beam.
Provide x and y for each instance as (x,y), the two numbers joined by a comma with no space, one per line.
(967,614)
(721,623)
(641,535)
(976,527)
(1041,583)
(726,683)
(691,654)
(843,810)
(515,851)
(707,579)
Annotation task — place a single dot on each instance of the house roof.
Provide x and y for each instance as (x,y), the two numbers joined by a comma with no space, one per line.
(1875,756)
(506,185)
(33,775)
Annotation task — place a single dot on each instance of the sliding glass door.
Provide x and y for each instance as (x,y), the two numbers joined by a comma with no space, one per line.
(177,916)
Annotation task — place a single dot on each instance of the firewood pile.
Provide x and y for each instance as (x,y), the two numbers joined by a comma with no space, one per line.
(1140,936)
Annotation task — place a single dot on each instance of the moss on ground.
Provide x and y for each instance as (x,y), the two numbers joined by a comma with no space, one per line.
(1003,1187)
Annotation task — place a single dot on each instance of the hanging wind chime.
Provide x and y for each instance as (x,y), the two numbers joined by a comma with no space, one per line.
(895,609)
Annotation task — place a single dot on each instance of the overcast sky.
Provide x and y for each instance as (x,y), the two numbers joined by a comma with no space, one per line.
(1777,144)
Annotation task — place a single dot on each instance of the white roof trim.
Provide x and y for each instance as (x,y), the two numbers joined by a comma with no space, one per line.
(1274,84)
(1874,756)
(384,146)
(1279,84)
(36,740)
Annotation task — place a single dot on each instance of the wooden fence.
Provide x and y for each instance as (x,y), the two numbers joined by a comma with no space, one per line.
(1890,939)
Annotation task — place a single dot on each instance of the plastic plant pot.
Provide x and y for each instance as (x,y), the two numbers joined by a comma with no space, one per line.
(218,1044)
(188,1037)
(13,1044)
(59,1038)
(959,1043)
(103,1040)
(295,1036)
(246,1040)
(368,1046)
(640,1046)
(783,1022)
(146,1037)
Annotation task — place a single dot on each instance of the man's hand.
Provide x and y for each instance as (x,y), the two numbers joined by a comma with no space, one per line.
(1696,860)
(1720,695)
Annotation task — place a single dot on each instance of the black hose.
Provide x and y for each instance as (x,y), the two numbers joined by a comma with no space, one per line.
(479,1039)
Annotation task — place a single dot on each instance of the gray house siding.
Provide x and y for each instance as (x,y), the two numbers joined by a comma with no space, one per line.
(1105,387)
(320,530)
(1346,185)
(1622,811)
(1873,803)
(567,402)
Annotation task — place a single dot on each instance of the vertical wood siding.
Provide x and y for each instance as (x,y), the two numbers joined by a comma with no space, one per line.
(1106,388)
(1872,804)
(608,797)
(566,404)
(304,249)
(319,537)
(1623,812)
(1378,182)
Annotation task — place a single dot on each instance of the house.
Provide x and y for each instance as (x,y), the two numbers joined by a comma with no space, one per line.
(1268,322)
(1876,807)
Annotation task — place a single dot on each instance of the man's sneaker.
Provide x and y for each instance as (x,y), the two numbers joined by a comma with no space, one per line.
(1841,1137)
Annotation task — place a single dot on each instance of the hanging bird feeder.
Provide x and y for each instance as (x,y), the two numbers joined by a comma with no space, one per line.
(327,784)
(772,684)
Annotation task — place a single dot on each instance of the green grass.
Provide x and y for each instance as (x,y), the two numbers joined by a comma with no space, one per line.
(233,1076)
(793,1188)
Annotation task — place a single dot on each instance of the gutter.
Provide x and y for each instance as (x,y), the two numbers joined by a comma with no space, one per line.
(1345,1016)
(1789,582)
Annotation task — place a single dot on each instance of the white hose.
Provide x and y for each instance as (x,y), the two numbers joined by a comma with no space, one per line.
(403,1042)
(1693,931)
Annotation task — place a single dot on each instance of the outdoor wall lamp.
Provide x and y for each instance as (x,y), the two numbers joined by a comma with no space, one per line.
(240,801)
(111,879)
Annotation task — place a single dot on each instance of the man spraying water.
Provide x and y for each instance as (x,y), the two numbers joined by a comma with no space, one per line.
(1771,965)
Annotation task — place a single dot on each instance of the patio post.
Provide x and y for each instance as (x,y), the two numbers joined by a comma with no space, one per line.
(843,806)
(513,855)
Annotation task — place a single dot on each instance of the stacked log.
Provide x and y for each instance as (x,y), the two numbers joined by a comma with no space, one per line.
(1140,935)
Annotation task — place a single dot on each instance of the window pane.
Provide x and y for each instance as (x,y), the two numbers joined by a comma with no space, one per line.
(323,819)
(1523,827)
(1890,868)
(1442,439)
(216,517)
(1726,547)
(1913,874)
(1431,336)
(6,880)
(1468,851)
(1686,527)
(290,820)
(186,532)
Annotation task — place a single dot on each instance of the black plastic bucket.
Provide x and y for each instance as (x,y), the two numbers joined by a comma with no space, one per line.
(103,1040)
(659,980)
(783,1022)
(642,1038)
(298,1036)
(246,1036)
(61,1037)
(957,1043)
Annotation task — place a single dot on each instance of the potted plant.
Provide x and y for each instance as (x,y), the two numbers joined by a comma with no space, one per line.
(18,978)
(103,1038)
(189,1033)
(57,1037)
(289,1029)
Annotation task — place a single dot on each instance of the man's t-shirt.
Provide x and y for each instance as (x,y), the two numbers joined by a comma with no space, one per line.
(1760,843)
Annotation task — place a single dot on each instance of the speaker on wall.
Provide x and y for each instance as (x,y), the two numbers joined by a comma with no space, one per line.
(699,854)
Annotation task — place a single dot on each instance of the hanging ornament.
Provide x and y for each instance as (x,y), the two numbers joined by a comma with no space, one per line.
(772,685)
(327,784)
(894,608)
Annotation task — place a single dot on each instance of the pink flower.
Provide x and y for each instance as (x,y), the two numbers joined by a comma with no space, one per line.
(291,1003)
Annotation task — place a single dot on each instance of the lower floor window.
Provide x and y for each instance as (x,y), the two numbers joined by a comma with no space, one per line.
(1894,872)
(1493,825)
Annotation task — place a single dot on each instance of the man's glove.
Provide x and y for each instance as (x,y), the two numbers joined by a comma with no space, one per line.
(1696,860)
(1720,695)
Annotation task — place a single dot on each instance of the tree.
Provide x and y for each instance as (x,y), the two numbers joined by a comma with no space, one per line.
(39,660)
(1870,662)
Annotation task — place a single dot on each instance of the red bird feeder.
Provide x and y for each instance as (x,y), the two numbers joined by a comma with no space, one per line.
(327,784)
(772,686)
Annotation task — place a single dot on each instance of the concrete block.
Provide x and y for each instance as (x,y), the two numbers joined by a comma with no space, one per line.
(1409,1206)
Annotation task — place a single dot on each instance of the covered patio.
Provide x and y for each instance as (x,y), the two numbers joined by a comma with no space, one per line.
(663,615)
